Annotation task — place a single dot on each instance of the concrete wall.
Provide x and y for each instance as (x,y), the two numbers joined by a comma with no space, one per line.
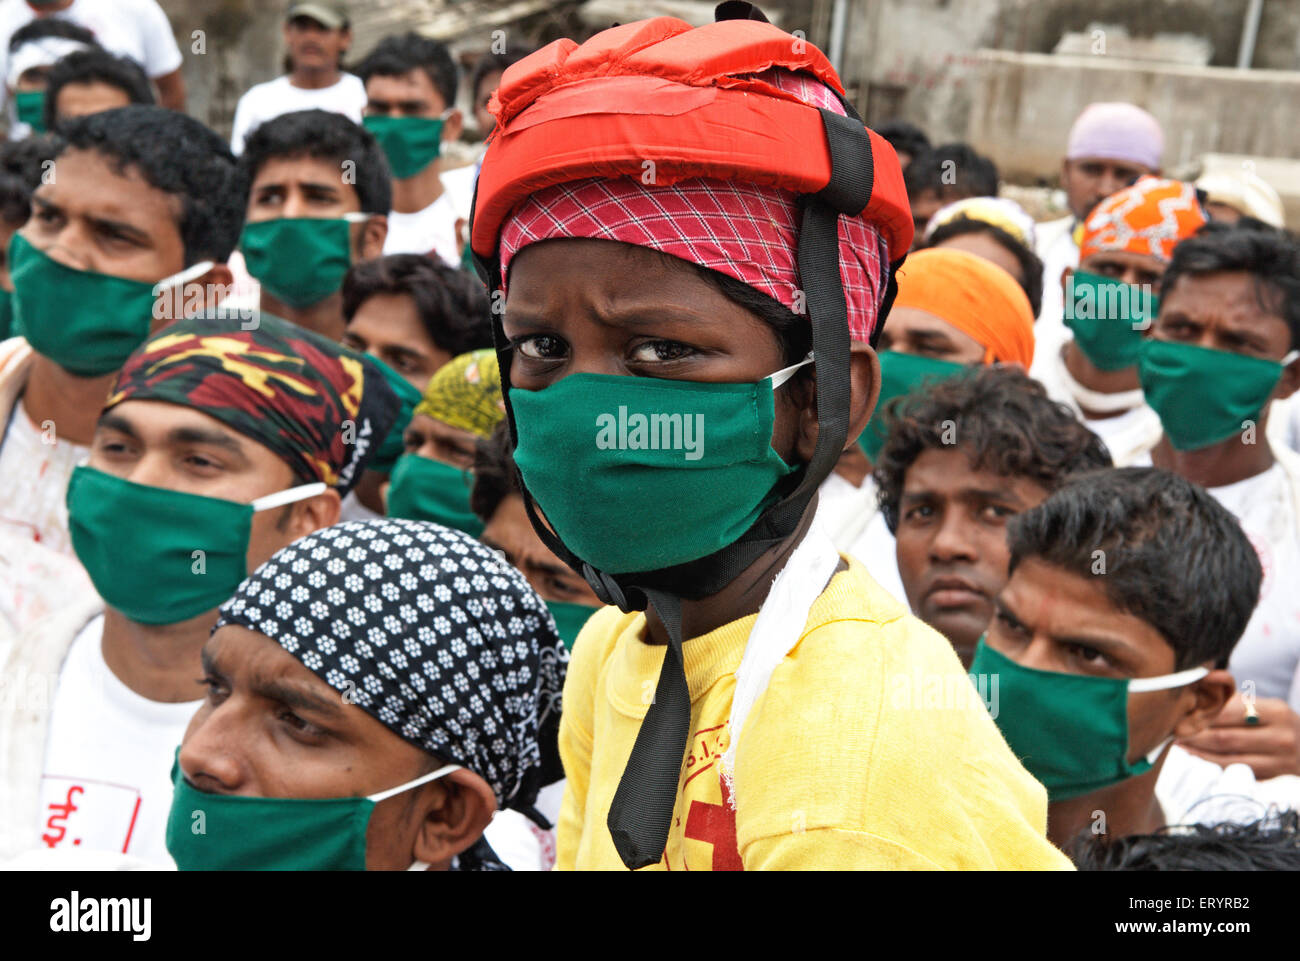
(917,59)
(1022,106)
(239,45)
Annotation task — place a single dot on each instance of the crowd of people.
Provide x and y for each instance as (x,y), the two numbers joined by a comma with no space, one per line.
(695,480)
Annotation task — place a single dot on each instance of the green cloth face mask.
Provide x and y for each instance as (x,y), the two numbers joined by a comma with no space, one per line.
(85,322)
(6,313)
(300,260)
(161,556)
(1070,731)
(1204,396)
(237,833)
(570,618)
(901,374)
(423,489)
(30,105)
(641,473)
(1108,317)
(409,143)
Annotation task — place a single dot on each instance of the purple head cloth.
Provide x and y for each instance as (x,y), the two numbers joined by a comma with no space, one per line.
(1117,131)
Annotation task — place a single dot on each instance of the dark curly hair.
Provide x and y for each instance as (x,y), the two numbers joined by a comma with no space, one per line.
(1270,844)
(179,156)
(1030,264)
(1003,420)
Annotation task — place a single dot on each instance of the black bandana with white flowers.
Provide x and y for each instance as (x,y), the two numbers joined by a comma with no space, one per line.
(429,632)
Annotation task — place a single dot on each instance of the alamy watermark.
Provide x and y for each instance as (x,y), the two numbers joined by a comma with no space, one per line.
(1124,302)
(624,431)
(930,691)
(185,300)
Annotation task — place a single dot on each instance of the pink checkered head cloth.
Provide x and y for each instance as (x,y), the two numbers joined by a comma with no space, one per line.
(743,230)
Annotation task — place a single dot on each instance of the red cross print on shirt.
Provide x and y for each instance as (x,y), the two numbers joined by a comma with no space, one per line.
(716,824)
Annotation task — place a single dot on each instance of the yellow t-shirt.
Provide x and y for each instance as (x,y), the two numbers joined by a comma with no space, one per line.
(870,748)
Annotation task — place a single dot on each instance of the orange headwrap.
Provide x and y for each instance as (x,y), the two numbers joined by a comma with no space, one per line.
(1150,217)
(974,295)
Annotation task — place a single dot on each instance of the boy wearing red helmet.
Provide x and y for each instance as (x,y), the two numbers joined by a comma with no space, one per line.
(688,308)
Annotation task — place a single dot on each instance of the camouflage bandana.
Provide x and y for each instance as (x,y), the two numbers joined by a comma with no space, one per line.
(321,408)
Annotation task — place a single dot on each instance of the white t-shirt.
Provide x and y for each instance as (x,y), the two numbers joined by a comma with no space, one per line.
(856,526)
(1192,790)
(877,549)
(353,510)
(108,759)
(133,28)
(521,844)
(1284,421)
(1126,434)
(433,229)
(35,466)
(1269,652)
(268,100)
(1056,248)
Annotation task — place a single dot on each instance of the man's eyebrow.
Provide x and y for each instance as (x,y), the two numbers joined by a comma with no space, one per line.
(111,420)
(1105,644)
(993,494)
(916,495)
(548,568)
(208,437)
(931,333)
(396,350)
(110,225)
(322,186)
(295,694)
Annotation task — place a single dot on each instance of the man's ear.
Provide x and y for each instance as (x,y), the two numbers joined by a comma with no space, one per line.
(453,126)
(456,811)
(178,302)
(314,514)
(1290,381)
(345,35)
(1211,693)
(864,390)
(217,284)
(373,234)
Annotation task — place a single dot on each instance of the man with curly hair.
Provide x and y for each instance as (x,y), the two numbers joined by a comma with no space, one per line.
(961,459)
